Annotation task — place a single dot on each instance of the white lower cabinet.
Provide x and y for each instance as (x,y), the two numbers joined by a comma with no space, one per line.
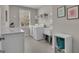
(13,43)
(38,33)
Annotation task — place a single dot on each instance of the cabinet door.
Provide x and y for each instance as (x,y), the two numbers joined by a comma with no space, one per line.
(13,43)
(3,46)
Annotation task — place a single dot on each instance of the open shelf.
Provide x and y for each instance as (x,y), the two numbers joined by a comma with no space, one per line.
(62,43)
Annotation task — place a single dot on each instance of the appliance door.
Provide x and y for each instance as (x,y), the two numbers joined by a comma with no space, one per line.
(38,33)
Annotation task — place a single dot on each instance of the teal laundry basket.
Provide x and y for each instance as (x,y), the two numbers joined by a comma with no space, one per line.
(60,42)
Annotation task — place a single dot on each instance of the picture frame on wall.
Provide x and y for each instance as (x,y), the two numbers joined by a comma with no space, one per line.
(73,12)
(61,11)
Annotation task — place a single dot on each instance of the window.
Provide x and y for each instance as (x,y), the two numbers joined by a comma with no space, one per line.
(24,17)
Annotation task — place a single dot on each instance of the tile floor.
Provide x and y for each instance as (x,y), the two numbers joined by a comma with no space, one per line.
(33,46)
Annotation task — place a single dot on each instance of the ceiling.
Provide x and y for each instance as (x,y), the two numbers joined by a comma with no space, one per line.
(33,6)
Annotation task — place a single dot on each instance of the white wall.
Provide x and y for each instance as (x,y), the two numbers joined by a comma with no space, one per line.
(0,22)
(49,10)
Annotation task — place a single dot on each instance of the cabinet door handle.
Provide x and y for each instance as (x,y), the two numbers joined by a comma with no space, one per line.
(2,38)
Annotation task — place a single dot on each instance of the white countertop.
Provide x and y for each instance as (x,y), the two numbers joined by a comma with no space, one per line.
(12,30)
(62,35)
